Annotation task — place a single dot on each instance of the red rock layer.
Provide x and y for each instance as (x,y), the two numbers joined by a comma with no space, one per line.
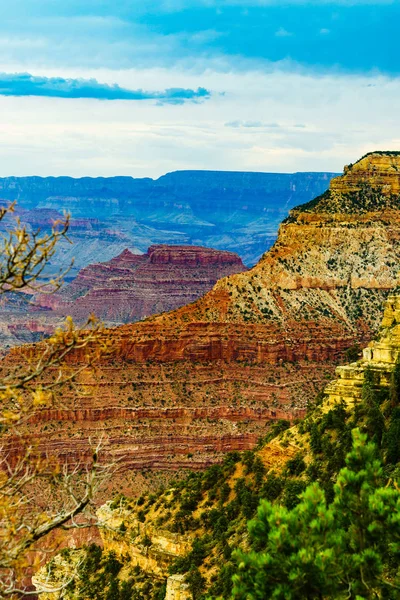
(130,287)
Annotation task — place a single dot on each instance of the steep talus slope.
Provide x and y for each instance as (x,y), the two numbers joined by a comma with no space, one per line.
(258,346)
(130,287)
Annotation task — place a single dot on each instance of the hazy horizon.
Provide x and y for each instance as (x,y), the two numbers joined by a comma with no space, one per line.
(155,178)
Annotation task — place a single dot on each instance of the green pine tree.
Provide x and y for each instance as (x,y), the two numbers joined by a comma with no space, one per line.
(375,422)
(347,549)
(394,392)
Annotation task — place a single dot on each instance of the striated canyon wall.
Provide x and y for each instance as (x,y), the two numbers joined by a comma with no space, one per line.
(130,287)
(127,288)
(144,530)
(261,341)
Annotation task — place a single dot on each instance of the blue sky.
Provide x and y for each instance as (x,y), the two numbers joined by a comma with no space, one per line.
(103,87)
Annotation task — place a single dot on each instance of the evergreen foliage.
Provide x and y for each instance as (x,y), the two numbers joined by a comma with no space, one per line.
(99,578)
(328,550)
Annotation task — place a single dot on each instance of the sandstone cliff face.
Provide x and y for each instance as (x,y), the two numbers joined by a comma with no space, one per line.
(130,287)
(378,170)
(255,348)
(155,556)
(139,546)
(379,357)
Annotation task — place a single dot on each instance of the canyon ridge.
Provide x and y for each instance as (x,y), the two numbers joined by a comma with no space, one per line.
(226,210)
(180,389)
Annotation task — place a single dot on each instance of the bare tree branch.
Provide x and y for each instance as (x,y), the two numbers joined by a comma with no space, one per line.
(38,495)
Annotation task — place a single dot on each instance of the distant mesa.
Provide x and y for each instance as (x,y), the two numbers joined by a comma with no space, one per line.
(130,287)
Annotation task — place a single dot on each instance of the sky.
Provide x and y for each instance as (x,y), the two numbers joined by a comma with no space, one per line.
(144,87)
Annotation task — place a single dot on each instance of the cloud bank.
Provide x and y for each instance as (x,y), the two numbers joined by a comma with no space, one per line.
(279,102)
(24,84)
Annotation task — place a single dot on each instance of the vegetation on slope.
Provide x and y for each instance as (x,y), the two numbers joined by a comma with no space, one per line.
(367,198)
(212,509)
(346,549)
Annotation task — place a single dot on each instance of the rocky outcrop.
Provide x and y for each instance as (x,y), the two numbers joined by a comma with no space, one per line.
(142,547)
(378,170)
(177,589)
(155,555)
(264,340)
(379,357)
(130,287)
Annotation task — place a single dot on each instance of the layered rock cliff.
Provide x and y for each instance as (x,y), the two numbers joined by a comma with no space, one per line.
(254,349)
(130,287)
(127,288)
(195,525)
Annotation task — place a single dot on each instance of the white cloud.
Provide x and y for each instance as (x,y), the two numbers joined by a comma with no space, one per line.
(323,123)
(252,124)
(282,32)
